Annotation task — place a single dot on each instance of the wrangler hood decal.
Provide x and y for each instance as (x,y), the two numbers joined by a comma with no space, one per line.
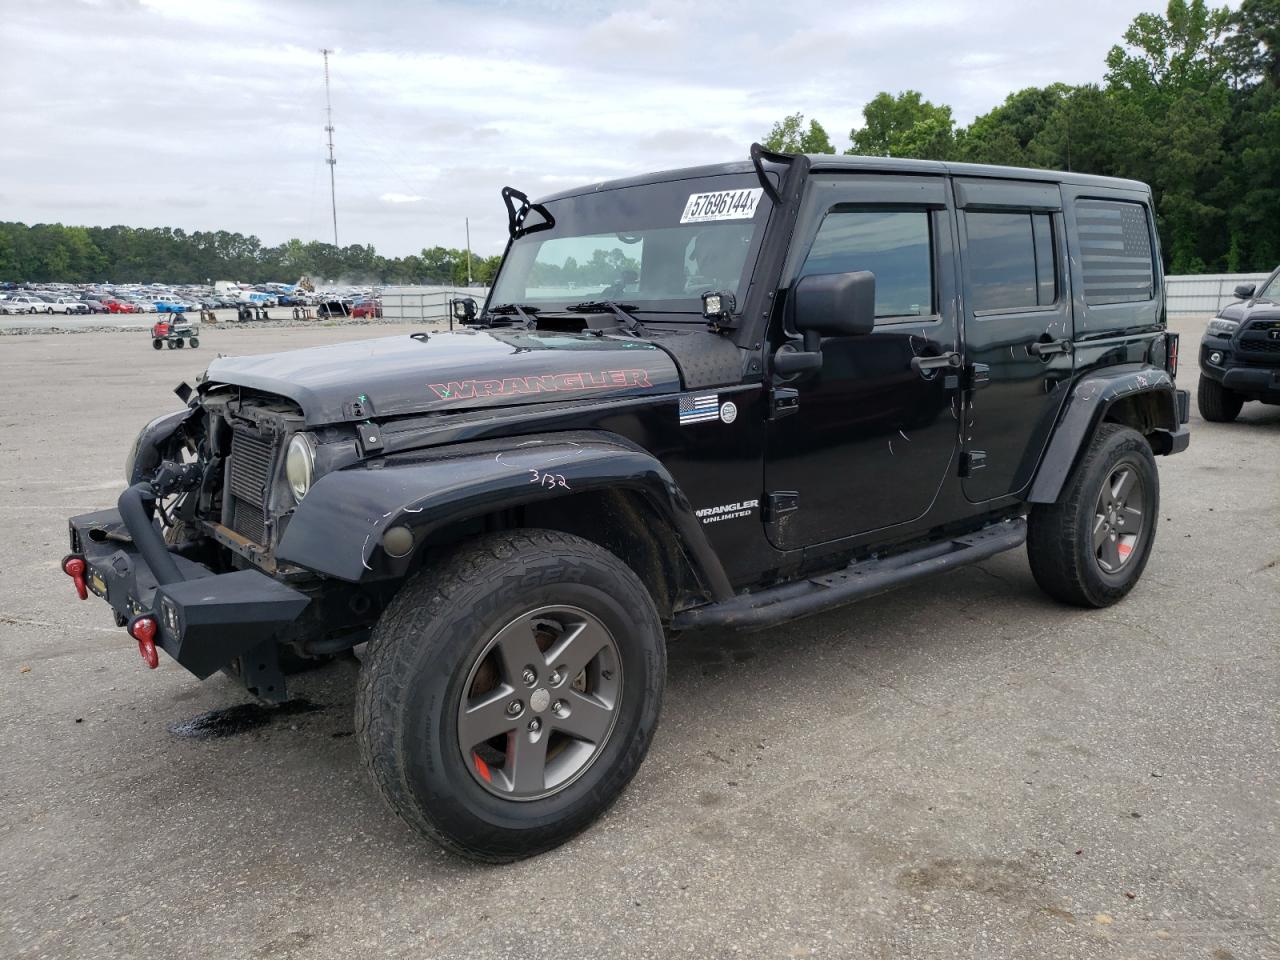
(464,370)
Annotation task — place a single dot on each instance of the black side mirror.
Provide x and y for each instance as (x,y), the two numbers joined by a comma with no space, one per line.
(1245,290)
(464,309)
(831,305)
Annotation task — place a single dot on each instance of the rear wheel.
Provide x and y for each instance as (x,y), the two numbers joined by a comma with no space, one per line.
(195,342)
(509,694)
(157,344)
(1090,548)
(1217,404)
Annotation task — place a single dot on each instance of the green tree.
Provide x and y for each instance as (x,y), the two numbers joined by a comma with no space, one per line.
(790,135)
(904,126)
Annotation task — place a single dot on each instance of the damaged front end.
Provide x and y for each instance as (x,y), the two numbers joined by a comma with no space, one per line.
(186,559)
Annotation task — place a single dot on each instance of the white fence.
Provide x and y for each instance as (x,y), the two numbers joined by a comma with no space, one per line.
(1206,293)
(425,304)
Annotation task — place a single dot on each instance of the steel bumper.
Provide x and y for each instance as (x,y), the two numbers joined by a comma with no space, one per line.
(204,620)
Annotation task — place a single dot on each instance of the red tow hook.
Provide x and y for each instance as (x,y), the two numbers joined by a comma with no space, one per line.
(74,567)
(143,629)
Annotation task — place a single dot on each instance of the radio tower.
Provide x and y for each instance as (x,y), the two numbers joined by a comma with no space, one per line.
(328,109)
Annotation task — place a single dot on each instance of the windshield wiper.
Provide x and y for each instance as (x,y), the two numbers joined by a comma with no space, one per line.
(524,311)
(620,310)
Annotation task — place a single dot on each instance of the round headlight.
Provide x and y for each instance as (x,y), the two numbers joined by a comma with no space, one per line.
(299,465)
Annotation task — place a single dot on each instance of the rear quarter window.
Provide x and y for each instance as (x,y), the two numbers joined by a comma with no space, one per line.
(1115,251)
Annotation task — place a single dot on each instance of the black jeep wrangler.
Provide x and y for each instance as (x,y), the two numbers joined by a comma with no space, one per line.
(727,396)
(1240,353)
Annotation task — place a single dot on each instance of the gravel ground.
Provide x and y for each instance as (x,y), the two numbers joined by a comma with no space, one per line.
(958,769)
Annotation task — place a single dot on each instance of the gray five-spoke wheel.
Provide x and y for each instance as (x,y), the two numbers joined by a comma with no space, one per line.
(540,702)
(1118,518)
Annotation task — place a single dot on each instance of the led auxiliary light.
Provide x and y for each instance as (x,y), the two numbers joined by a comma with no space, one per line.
(717,305)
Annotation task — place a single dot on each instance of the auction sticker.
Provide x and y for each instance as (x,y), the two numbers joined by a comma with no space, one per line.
(721,205)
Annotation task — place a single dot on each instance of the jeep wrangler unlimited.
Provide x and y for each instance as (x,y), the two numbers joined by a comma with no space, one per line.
(727,396)
(1240,353)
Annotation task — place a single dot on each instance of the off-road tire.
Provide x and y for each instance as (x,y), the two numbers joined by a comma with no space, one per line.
(1217,404)
(1060,535)
(418,661)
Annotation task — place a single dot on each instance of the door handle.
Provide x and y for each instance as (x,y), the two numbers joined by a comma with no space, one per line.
(926,366)
(1048,349)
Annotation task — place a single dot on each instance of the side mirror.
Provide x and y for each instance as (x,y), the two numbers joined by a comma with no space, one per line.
(827,304)
(464,309)
(1245,290)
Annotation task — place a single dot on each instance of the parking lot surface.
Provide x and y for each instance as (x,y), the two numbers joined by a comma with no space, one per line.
(958,769)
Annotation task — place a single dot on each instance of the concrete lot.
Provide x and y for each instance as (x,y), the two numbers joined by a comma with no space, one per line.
(958,769)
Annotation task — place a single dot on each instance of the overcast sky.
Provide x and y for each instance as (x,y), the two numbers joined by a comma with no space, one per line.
(209,114)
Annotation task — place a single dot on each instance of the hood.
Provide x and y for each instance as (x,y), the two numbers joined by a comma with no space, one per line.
(1243,310)
(462,370)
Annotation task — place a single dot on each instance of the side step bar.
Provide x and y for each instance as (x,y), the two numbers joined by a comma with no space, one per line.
(857,581)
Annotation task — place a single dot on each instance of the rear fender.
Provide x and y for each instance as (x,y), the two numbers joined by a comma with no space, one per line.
(340,527)
(1135,387)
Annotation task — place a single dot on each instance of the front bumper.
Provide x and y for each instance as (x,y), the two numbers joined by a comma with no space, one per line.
(206,619)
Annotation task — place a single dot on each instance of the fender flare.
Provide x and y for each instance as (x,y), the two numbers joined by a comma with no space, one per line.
(1090,399)
(338,528)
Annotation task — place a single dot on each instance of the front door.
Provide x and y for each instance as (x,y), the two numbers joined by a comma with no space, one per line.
(871,437)
(1018,329)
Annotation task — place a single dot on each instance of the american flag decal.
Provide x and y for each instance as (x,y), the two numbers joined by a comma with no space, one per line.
(699,409)
(1115,251)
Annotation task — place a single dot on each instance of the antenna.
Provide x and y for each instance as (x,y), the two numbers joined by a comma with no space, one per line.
(328,109)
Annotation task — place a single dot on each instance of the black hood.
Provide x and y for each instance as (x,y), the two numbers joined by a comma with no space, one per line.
(463,370)
(1243,310)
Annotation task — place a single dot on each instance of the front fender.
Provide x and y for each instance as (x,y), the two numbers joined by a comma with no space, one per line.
(1090,399)
(339,527)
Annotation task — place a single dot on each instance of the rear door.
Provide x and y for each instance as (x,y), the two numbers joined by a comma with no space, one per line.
(1017,329)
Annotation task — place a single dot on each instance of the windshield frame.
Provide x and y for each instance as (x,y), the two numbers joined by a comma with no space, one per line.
(682,309)
(1269,290)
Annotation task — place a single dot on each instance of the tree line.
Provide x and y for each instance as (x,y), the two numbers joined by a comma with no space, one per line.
(1190,104)
(52,252)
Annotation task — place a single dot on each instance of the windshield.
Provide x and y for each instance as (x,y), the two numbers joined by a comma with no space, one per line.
(1272,290)
(657,246)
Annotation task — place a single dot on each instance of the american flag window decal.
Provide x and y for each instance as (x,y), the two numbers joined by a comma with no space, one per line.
(1115,251)
(699,408)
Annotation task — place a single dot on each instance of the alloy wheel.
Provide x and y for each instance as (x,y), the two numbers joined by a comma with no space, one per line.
(1119,519)
(540,702)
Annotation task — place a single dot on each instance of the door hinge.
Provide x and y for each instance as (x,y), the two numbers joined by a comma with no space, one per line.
(979,375)
(784,402)
(972,460)
(781,501)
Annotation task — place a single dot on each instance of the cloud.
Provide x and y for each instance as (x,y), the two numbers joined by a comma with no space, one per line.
(210,115)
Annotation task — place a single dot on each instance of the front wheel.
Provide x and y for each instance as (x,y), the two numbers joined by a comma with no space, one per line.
(509,693)
(157,344)
(1089,548)
(195,342)
(1217,404)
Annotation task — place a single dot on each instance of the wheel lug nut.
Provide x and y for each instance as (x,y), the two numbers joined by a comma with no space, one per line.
(529,676)
(535,725)
(557,706)
(554,678)
(514,708)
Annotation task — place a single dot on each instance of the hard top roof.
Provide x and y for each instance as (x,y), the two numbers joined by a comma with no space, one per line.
(847,164)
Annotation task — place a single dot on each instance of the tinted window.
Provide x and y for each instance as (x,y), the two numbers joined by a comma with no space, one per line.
(1115,251)
(1010,261)
(892,244)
